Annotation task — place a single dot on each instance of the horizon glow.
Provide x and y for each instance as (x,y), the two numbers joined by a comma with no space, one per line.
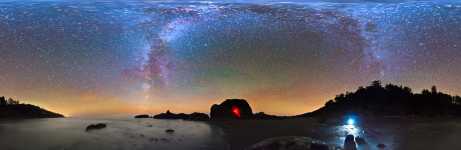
(95,59)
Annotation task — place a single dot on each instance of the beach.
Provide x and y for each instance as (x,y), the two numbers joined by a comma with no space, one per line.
(421,134)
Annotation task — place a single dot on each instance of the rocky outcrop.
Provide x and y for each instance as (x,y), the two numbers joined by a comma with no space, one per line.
(381,146)
(231,109)
(170,131)
(97,126)
(198,117)
(349,143)
(26,111)
(194,116)
(264,116)
(142,116)
(291,143)
(360,140)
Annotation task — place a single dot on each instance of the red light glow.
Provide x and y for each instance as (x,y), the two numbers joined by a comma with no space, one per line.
(236,111)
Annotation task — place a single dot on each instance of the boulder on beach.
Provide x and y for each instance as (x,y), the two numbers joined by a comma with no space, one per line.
(194,116)
(231,109)
(142,116)
(349,143)
(291,143)
(360,140)
(169,131)
(97,126)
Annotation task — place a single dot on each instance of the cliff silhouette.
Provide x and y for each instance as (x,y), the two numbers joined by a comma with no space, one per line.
(391,100)
(12,109)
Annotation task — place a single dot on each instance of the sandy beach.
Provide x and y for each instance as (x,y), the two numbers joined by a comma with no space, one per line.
(402,134)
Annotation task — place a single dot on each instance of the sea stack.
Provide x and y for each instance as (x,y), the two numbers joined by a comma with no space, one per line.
(231,109)
(193,116)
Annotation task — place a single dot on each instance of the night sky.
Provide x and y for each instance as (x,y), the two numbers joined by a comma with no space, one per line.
(116,57)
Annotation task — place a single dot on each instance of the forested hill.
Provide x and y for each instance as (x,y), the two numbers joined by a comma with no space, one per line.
(390,99)
(12,109)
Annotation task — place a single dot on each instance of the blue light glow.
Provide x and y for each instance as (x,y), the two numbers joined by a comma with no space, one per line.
(350,121)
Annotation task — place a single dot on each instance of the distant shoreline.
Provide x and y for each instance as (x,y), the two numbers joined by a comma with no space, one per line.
(13,109)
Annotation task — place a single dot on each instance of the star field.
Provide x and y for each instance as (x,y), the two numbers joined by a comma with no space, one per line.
(285,57)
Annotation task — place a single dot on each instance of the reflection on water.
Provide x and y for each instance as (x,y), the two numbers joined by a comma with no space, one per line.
(349,129)
(68,133)
(372,136)
(352,130)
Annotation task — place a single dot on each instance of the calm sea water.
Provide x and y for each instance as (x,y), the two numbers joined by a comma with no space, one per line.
(132,134)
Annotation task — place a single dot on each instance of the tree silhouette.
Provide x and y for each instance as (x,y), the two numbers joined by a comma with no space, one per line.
(2,101)
(10,108)
(393,100)
(12,102)
(376,83)
(433,90)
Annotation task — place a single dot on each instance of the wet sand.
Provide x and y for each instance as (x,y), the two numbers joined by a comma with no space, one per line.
(243,133)
(120,134)
(405,134)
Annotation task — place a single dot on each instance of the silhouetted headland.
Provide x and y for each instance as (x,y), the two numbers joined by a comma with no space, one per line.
(193,116)
(142,116)
(12,109)
(391,100)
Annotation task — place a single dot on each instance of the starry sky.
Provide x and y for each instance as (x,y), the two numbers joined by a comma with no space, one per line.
(83,58)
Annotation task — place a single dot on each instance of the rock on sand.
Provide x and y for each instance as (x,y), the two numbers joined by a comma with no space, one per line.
(291,143)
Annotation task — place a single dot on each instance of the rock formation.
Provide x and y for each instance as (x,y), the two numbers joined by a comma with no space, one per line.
(170,131)
(291,143)
(95,127)
(142,116)
(264,116)
(194,116)
(26,111)
(231,109)
(381,146)
(349,143)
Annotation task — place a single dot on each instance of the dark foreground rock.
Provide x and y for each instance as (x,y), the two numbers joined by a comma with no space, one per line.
(360,140)
(231,109)
(291,143)
(198,116)
(264,116)
(349,143)
(97,126)
(25,111)
(170,131)
(142,116)
(194,116)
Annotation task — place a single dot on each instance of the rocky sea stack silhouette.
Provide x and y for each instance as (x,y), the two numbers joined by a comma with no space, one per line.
(193,116)
(231,109)
(142,116)
(12,109)
(97,126)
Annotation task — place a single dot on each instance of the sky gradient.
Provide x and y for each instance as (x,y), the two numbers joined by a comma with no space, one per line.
(85,58)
